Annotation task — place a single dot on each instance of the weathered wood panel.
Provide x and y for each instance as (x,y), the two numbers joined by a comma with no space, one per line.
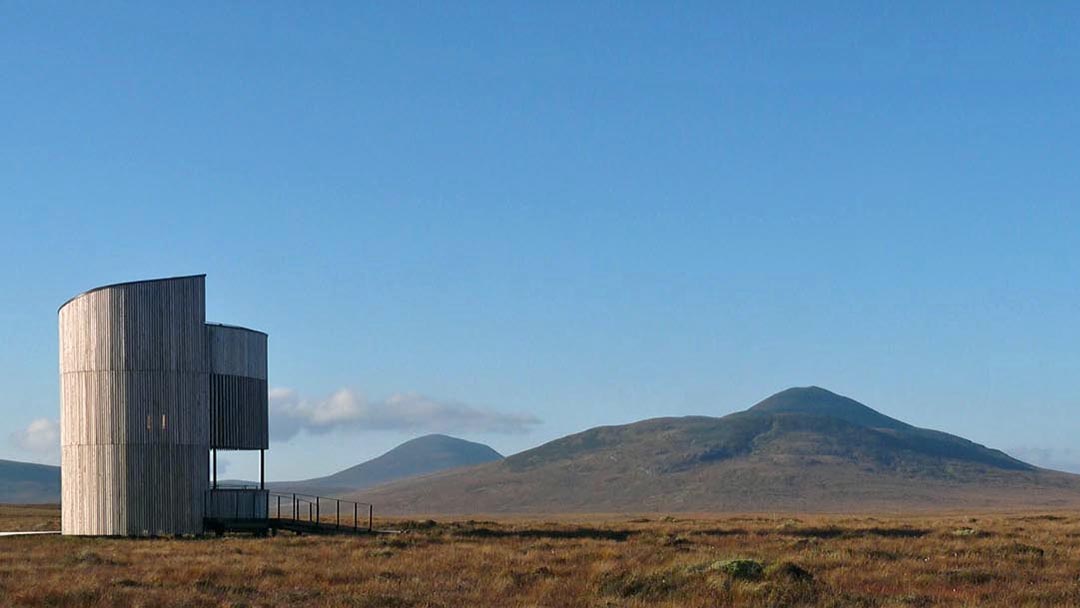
(115,407)
(235,503)
(133,489)
(149,325)
(238,390)
(134,408)
(236,351)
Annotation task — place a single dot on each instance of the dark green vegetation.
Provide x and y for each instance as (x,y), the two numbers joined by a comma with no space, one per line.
(809,422)
(801,449)
(27,483)
(861,433)
(427,454)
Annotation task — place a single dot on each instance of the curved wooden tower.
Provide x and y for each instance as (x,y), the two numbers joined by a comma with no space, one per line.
(134,408)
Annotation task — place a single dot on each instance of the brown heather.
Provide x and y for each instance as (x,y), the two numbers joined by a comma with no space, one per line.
(982,559)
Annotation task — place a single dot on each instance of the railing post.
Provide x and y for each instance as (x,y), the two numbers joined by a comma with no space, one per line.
(355,513)
(370,518)
(337,511)
(278,506)
(318,509)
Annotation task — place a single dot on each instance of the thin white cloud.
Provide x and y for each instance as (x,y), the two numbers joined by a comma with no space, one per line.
(41,437)
(349,410)
(1059,459)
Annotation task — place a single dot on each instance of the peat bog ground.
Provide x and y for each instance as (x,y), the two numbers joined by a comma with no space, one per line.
(999,559)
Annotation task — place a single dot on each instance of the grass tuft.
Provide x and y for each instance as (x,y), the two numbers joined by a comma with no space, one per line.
(651,586)
(740,569)
(788,571)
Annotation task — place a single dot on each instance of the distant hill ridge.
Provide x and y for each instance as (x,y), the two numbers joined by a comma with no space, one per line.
(427,454)
(816,401)
(804,448)
(897,435)
(28,483)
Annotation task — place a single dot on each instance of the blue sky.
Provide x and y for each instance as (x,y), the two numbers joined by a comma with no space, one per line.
(515,221)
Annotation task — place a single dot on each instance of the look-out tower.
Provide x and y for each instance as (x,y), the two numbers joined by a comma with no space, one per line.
(147,389)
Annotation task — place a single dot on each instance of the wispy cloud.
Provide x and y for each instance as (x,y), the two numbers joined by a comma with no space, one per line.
(349,410)
(41,438)
(1059,459)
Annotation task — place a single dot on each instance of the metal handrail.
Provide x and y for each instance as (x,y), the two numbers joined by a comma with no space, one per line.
(295,503)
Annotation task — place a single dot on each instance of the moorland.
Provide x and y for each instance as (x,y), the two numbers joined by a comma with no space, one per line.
(955,559)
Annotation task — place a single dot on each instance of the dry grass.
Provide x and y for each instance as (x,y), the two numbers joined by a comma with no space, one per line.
(18,518)
(1013,560)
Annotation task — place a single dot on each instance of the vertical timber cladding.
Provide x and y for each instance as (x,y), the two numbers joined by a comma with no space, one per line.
(238,390)
(134,409)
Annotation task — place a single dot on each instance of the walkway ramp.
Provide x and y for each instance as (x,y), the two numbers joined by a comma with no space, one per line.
(295,512)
